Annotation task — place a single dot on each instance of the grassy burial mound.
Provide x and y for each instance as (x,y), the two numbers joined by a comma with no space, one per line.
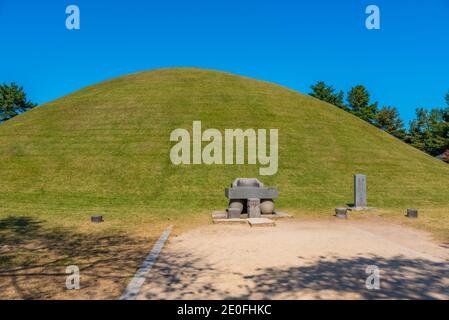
(106,149)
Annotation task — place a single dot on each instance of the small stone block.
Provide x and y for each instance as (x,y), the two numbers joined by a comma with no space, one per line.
(412,213)
(233,213)
(341,213)
(96,219)
(261,222)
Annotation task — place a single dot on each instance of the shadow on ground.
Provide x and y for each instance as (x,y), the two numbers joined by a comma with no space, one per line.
(33,261)
(400,278)
(188,277)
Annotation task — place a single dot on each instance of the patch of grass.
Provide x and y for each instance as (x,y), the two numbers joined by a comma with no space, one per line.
(105,150)
(432,220)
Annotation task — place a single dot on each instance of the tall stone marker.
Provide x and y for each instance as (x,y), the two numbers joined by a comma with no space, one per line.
(360,192)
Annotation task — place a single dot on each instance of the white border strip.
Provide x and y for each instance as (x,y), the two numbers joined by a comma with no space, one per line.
(133,288)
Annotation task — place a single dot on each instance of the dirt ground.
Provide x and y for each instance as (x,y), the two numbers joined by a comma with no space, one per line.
(297,259)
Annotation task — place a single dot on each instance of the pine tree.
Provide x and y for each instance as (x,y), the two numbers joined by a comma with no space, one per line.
(388,120)
(430,131)
(13,101)
(359,104)
(324,92)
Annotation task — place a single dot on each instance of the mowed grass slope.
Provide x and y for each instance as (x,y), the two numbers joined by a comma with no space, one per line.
(106,149)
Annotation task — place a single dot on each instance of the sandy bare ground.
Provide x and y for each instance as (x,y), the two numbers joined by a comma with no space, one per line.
(300,260)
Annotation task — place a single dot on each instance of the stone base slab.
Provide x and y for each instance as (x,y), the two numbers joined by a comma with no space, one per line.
(230,221)
(278,215)
(261,222)
(361,208)
(220,217)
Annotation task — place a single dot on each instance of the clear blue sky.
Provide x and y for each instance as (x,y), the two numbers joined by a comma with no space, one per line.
(290,42)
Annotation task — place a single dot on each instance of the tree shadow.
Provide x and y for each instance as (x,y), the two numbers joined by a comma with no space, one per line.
(400,278)
(181,276)
(14,230)
(184,276)
(34,258)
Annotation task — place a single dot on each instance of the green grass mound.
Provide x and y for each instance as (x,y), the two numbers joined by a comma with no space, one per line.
(106,149)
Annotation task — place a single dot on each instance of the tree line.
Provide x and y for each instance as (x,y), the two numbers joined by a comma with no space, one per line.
(429,131)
